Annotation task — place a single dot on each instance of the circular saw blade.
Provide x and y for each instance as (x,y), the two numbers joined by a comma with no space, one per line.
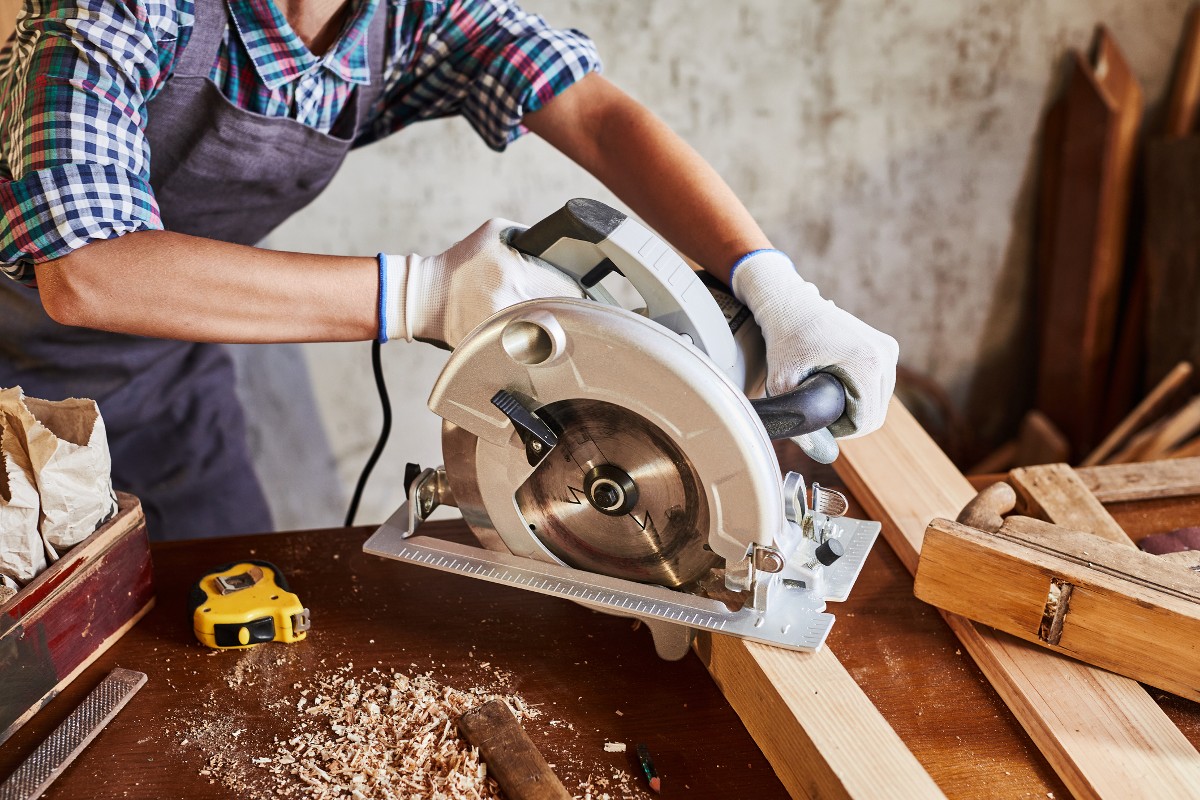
(660,539)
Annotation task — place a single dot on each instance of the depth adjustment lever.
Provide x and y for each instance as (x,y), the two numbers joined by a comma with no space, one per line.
(538,437)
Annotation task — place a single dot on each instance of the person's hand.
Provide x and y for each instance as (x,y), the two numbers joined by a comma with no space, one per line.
(442,298)
(805,333)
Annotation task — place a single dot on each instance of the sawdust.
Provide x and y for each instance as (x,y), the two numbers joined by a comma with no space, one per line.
(377,733)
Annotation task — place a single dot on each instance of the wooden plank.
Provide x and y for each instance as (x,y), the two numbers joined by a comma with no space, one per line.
(1081,274)
(1176,431)
(821,734)
(1055,493)
(1163,436)
(1159,480)
(1152,406)
(1074,593)
(1136,444)
(1078,715)
(1189,450)
(1184,98)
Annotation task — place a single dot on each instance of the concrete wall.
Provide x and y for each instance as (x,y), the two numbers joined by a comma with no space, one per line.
(888,146)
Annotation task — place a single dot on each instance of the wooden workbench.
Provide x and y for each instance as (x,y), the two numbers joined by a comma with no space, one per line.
(579,667)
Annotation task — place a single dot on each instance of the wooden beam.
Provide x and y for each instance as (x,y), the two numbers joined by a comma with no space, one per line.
(1157,480)
(1072,592)
(1079,716)
(822,735)
(1082,249)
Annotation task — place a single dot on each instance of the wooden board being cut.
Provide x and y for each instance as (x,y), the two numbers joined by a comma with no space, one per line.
(814,724)
(1102,733)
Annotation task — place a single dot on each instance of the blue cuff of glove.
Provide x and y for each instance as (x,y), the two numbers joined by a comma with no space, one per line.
(747,257)
(383,295)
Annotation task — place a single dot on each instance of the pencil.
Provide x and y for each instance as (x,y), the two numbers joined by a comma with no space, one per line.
(648,768)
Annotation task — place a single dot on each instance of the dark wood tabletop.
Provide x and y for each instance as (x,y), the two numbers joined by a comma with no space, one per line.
(592,677)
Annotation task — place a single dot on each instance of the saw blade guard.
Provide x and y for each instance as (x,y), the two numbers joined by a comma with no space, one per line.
(588,240)
(551,351)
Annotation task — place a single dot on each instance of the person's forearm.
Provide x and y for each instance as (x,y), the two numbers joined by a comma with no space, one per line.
(173,286)
(652,169)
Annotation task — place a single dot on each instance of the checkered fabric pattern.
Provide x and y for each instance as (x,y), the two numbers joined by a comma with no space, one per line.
(76,78)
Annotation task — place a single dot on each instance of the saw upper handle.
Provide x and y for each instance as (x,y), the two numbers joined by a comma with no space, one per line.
(587,240)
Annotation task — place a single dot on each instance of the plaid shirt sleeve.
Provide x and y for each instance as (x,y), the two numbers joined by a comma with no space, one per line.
(74,162)
(486,60)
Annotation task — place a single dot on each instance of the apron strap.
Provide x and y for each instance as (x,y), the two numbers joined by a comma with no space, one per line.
(208,31)
(377,45)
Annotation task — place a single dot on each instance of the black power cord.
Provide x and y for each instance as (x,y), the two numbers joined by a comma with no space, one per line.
(384,431)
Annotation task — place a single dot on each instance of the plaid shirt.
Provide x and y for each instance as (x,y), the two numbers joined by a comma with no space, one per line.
(76,78)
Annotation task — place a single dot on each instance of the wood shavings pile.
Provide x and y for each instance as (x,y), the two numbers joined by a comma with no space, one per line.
(386,739)
(365,734)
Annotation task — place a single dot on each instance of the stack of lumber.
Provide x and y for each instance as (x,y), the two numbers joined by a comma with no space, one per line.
(1164,425)
(1117,267)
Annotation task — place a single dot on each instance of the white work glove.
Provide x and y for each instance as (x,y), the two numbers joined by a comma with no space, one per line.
(805,333)
(442,298)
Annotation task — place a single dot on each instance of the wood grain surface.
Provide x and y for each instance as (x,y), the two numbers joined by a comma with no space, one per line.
(1078,715)
(578,667)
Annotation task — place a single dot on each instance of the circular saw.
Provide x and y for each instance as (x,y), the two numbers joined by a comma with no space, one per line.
(613,455)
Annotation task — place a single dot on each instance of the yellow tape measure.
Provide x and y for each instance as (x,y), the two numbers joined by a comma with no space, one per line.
(245,603)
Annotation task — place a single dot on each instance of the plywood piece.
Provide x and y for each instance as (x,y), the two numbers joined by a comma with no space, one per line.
(1107,604)
(821,734)
(1079,716)
(1152,406)
(1082,252)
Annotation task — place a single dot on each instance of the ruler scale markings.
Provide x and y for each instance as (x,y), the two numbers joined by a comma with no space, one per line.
(808,628)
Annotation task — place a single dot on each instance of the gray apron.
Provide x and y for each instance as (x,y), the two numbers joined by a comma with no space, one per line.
(175,428)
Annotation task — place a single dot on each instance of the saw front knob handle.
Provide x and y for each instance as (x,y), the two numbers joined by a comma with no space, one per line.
(804,415)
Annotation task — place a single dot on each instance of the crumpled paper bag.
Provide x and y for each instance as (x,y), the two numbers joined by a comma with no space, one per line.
(21,550)
(68,451)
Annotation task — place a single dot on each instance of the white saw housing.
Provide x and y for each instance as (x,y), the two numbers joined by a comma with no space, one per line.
(546,351)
